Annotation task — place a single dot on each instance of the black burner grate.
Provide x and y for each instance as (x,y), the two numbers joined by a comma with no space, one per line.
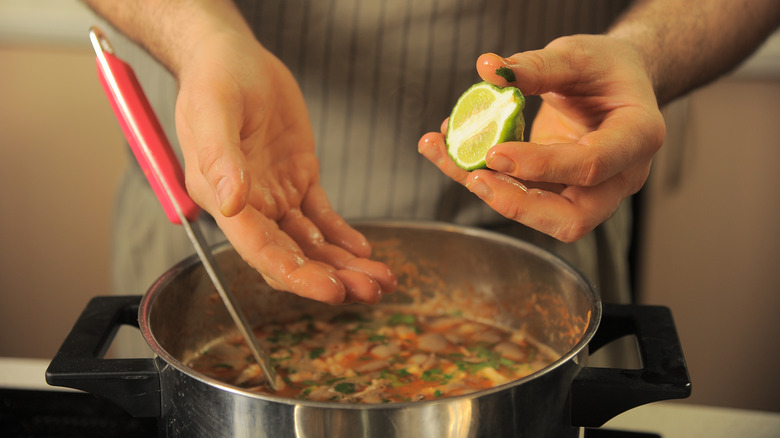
(57,414)
(609,433)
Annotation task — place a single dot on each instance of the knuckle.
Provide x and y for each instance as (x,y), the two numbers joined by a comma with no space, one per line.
(575,52)
(593,171)
(539,64)
(208,157)
(572,231)
(532,169)
(537,61)
(511,211)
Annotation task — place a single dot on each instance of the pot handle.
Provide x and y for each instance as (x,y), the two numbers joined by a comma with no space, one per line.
(133,383)
(598,394)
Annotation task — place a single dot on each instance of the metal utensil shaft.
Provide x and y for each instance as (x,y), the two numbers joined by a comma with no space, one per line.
(231,303)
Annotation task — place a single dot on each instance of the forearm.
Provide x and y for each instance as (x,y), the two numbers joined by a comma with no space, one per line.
(687,44)
(171,29)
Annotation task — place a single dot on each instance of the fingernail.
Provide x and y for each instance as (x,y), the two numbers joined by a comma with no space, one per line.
(490,58)
(479,188)
(500,163)
(224,190)
(430,150)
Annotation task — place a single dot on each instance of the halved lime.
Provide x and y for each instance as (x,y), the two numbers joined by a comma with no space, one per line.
(484,116)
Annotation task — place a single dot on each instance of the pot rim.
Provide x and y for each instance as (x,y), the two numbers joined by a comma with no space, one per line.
(593,322)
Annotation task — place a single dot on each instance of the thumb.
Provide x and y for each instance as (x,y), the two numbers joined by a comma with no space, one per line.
(209,132)
(534,72)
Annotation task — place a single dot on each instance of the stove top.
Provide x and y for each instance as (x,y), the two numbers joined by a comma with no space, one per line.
(30,413)
(36,414)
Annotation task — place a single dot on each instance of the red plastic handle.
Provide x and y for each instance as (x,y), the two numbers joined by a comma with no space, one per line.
(146,137)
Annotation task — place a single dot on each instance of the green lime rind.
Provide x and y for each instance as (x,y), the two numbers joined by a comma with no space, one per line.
(512,126)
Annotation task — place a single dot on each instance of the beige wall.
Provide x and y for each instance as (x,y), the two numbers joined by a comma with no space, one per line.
(62,153)
(712,247)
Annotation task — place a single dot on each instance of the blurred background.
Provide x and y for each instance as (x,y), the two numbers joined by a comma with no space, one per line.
(709,247)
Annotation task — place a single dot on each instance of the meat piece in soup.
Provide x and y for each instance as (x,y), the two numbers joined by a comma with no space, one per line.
(379,356)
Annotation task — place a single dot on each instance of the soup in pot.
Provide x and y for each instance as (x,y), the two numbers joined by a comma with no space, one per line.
(377,355)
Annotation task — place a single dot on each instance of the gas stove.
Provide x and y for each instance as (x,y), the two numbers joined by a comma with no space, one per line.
(30,408)
(41,413)
(34,413)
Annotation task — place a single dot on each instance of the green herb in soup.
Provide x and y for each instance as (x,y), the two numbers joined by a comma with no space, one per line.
(380,356)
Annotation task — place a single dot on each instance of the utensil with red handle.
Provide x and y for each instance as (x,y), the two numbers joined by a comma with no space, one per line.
(161,167)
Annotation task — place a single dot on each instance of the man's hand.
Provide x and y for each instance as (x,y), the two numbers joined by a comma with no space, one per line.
(249,153)
(590,146)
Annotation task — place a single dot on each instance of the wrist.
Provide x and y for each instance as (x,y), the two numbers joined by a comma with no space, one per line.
(682,50)
(211,24)
(635,40)
(210,47)
(174,40)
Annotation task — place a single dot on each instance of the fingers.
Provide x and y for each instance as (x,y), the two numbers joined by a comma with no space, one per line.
(564,65)
(562,211)
(209,132)
(365,279)
(526,161)
(360,287)
(627,137)
(307,234)
(335,229)
(432,146)
(567,214)
(534,73)
(342,246)
(279,259)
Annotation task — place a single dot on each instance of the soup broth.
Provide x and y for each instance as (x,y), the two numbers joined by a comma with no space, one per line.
(377,355)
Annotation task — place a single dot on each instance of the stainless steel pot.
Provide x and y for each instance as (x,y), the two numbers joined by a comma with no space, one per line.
(481,274)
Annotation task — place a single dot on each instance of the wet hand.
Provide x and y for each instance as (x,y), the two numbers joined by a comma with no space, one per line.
(249,161)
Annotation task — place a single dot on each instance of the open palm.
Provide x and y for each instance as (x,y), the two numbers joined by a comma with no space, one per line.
(249,161)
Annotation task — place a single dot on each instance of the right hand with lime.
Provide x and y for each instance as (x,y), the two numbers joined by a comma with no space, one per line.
(590,145)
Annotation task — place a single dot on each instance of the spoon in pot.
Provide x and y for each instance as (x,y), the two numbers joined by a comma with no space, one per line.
(161,167)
